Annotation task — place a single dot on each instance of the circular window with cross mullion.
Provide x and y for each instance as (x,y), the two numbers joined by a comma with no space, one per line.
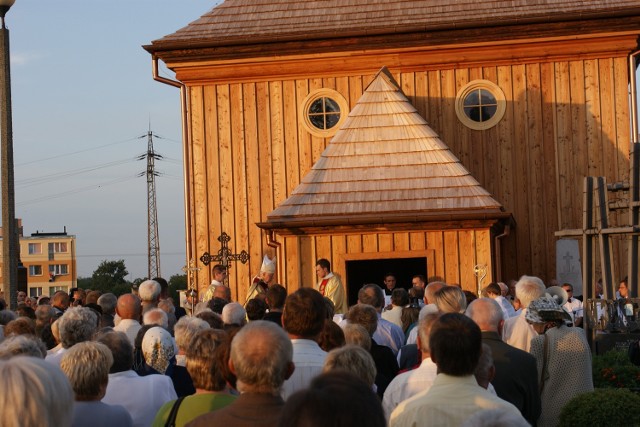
(323,111)
(480,104)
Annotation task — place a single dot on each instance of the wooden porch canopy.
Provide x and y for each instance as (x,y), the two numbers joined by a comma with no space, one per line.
(385,166)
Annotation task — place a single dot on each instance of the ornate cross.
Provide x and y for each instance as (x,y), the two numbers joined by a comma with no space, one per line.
(224,257)
(191,270)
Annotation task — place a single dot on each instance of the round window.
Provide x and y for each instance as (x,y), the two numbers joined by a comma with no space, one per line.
(480,104)
(324,111)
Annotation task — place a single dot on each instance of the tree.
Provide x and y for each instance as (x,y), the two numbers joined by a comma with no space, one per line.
(110,276)
(177,282)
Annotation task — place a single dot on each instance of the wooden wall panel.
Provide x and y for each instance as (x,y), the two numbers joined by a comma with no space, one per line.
(563,120)
(578,133)
(549,168)
(565,155)
(290,111)
(522,167)
(417,241)
(535,163)
(467,245)
(265,158)
(483,245)
(451,260)
(385,242)
(435,241)
(238,150)
(460,264)
(278,143)
(307,261)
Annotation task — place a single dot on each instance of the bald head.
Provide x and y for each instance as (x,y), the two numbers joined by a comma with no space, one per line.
(129,307)
(430,291)
(486,313)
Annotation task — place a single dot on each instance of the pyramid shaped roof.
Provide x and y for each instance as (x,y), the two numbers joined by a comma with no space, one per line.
(385,164)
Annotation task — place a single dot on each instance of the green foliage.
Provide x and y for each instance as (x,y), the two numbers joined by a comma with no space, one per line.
(84,282)
(110,277)
(614,370)
(177,282)
(602,407)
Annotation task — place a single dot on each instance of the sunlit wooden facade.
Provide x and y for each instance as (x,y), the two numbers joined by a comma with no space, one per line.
(563,69)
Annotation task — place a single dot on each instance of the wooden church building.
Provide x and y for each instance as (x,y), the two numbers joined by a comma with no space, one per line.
(419,137)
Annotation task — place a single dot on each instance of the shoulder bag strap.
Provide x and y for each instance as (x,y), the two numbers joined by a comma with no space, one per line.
(171,421)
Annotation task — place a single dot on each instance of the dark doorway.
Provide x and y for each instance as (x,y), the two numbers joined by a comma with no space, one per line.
(360,272)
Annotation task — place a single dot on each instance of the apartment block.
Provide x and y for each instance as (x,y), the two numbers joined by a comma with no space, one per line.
(50,261)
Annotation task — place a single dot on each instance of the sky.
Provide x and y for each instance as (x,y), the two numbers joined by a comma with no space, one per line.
(83,99)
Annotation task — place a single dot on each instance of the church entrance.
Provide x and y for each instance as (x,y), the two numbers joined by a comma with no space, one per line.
(362,271)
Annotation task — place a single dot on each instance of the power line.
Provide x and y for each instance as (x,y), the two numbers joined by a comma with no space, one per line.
(75,152)
(28,182)
(75,191)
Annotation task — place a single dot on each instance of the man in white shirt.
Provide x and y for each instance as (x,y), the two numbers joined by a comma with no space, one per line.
(410,383)
(142,397)
(573,306)
(386,333)
(455,343)
(129,309)
(219,273)
(517,332)
(303,319)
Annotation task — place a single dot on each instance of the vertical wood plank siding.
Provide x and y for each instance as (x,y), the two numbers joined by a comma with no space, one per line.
(563,120)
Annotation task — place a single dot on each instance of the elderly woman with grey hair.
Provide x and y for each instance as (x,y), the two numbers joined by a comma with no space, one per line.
(49,400)
(184,331)
(87,365)
(76,325)
(22,345)
(149,293)
(352,358)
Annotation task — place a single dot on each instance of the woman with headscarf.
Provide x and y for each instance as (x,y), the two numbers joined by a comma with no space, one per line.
(563,357)
(159,352)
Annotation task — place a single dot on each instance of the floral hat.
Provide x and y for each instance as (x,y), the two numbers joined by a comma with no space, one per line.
(158,349)
(545,309)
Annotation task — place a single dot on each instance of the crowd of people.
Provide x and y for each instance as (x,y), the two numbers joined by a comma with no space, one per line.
(428,355)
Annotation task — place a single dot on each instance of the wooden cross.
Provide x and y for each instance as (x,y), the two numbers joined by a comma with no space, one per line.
(224,256)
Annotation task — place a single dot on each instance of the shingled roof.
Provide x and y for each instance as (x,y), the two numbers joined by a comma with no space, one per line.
(255,21)
(384,165)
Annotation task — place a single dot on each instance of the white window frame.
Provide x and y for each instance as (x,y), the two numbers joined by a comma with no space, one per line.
(59,269)
(31,273)
(58,247)
(34,246)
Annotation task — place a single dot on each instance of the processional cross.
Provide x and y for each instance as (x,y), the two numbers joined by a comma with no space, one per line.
(190,270)
(224,256)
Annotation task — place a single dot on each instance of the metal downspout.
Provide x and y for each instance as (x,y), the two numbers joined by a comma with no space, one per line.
(634,95)
(498,251)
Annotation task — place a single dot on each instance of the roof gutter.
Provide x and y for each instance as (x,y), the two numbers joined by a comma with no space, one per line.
(185,152)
